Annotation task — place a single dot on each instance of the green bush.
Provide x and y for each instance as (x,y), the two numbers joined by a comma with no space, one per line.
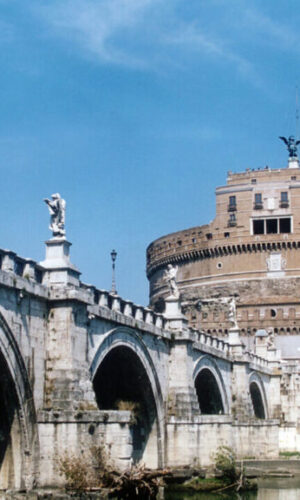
(225,462)
(288,454)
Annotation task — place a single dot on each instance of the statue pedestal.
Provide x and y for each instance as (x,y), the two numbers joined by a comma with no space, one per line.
(293,162)
(59,269)
(235,341)
(274,357)
(261,345)
(176,320)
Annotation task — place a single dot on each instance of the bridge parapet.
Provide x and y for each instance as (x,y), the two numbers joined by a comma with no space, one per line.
(32,272)
(256,360)
(107,301)
(20,266)
(222,348)
(214,342)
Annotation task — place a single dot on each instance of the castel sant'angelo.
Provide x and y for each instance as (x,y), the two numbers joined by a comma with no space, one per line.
(250,251)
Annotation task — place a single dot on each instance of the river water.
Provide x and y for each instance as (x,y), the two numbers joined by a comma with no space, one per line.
(268,489)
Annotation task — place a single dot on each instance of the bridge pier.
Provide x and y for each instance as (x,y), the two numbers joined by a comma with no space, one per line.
(70,422)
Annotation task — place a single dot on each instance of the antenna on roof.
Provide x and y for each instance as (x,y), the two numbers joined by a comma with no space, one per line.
(297,113)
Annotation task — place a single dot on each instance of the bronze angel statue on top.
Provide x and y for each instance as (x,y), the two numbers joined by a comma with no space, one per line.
(291,145)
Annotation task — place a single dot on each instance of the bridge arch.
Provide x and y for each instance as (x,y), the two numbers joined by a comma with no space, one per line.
(210,387)
(18,429)
(123,371)
(258,396)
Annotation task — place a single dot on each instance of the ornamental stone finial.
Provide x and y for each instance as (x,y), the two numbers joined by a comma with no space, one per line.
(57,209)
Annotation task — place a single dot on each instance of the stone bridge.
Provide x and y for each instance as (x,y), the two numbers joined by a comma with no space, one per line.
(82,367)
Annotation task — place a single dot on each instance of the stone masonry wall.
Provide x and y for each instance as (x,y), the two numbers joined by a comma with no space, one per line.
(199,439)
(75,434)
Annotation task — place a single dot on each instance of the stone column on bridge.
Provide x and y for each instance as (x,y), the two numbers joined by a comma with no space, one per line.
(67,384)
(67,379)
(182,402)
(182,398)
(241,406)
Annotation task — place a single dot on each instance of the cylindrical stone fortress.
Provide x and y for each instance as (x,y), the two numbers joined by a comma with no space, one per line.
(251,250)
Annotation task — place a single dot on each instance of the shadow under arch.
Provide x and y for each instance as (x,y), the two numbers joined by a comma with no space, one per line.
(210,387)
(123,371)
(18,427)
(258,396)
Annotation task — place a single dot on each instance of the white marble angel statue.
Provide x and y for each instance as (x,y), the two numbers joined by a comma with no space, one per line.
(231,303)
(57,209)
(170,278)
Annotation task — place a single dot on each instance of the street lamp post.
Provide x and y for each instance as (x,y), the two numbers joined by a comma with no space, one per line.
(113,255)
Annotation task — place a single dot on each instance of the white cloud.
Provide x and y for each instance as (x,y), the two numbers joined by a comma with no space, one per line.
(104,28)
(283,36)
(198,41)
(253,23)
(95,24)
(152,33)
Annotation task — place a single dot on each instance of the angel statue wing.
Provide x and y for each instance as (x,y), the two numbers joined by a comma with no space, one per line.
(62,206)
(63,203)
(284,140)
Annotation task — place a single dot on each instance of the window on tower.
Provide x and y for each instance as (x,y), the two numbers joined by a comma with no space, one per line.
(258,203)
(232,220)
(259,226)
(272,226)
(285,225)
(232,203)
(284,200)
(279,225)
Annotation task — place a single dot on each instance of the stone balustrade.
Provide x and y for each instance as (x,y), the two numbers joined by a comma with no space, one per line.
(129,309)
(257,360)
(25,268)
(215,342)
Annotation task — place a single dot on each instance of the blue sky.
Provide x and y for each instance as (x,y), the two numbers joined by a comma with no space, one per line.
(134,110)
